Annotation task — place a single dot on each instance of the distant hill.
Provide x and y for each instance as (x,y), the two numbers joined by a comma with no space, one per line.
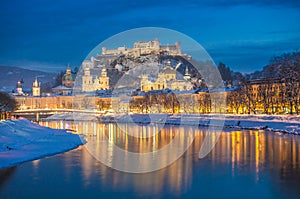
(9,75)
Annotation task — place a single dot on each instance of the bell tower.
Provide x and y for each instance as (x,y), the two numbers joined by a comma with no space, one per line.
(187,76)
(36,88)
(87,81)
(104,79)
(19,87)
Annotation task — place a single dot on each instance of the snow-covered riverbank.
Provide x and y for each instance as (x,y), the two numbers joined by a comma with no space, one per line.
(283,124)
(277,123)
(22,140)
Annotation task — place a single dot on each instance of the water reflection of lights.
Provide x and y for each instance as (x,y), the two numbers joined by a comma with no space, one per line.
(237,150)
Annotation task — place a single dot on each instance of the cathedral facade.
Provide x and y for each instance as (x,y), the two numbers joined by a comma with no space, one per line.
(90,84)
(167,78)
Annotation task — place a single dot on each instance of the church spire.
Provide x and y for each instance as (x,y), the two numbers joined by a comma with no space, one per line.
(36,88)
(187,76)
(68,71)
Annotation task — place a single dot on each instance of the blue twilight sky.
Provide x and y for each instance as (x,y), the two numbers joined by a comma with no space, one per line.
(49,34)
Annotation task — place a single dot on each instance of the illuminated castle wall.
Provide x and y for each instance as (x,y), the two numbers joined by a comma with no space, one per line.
(144,48)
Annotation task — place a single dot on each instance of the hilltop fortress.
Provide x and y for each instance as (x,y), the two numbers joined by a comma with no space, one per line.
(140,48)
(145,48)
(121,60)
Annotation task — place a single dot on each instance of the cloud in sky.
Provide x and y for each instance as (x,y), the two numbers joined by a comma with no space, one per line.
(242,34)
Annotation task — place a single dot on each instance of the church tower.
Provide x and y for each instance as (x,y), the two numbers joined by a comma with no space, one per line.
(68,79)
(187,76)
(104,80)
(19,87)
(87,81)
(144,83)
(68,71)
(36,88)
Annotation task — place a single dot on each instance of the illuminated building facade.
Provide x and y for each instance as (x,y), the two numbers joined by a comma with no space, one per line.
(166,79)
(90,84)
(145,48)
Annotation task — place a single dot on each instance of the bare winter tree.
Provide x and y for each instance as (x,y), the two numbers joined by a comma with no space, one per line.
(7,105)
(172,103)
(235,100)
(204,103)
(250,97)
(265,94)
(289,72)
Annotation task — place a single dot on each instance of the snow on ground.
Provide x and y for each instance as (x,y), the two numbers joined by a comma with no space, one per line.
(283,123)
(276,123)
(72,116)
(22,140)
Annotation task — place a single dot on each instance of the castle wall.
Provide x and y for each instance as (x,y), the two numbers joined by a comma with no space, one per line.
(140,48)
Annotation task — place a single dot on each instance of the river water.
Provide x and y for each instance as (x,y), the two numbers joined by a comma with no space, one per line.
(243,164)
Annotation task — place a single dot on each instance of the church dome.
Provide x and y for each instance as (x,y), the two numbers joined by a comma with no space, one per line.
(169,70)
(69,77)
